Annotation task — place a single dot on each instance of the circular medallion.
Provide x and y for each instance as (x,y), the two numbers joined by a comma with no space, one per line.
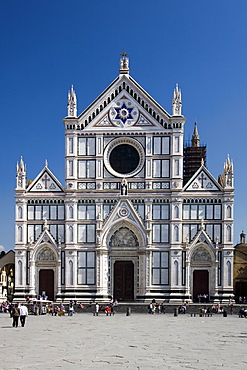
(123,113)
(123,212)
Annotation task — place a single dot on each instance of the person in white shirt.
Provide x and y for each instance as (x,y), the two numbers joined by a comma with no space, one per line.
(23,314)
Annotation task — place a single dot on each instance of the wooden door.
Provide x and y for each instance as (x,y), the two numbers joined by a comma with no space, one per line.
(124,280)
(46,283)
(241,289)
(200,283)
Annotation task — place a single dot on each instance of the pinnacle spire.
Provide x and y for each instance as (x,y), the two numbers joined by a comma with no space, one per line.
(72,103)
(195,137)
(21,175)
(177,102)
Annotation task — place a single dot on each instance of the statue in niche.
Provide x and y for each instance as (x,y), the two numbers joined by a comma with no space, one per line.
(123,238)
(124,186)
(201,255)
(46,254)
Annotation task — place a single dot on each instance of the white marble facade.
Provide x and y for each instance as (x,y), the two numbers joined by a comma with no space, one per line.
(124,223)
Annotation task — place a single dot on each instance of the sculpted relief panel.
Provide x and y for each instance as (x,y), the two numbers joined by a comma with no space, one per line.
(46,254)
(123,238)
(201,255)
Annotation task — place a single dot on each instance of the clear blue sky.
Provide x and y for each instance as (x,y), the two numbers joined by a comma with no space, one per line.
(48,45)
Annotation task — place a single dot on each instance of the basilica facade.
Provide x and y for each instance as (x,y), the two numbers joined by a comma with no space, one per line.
(125,222)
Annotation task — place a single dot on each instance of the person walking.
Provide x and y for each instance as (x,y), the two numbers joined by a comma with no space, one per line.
(23,314)
(15,315)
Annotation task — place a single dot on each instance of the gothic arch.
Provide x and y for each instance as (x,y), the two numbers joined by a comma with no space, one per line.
(134,233)
(71,273)
(202,253)
(45,253)
(123,237)
(20,212)
(20,276)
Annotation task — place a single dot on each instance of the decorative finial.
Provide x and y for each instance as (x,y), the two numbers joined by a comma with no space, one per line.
(202,162)
(72,104)
(177,102)
(46,163)
(124,63)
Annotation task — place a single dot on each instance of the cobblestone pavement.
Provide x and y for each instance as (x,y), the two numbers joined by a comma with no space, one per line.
(124,342)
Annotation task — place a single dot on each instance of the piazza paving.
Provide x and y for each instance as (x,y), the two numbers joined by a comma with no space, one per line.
(138,341)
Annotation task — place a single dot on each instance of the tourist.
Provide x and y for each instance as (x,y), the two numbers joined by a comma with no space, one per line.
(55,310)
(107,310)
(112,308)
(71,309)
(23,314)
(15,315)
(97,309)
(163,309)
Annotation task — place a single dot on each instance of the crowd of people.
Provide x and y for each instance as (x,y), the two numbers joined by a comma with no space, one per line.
(109,310)
(202,298)
(155,307)
(42,307)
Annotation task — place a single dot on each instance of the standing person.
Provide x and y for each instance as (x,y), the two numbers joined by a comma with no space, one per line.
(23,314)
(15,315)
(97,309)
(71,309)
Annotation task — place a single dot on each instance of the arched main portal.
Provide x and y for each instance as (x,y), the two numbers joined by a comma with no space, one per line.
(202,273)
(123,244)
(46,267)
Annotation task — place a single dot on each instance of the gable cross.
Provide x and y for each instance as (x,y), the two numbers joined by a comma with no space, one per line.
(46,180)
(202,178)
(124,54)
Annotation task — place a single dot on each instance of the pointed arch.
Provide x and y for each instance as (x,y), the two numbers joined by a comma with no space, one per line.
(71,273)
(20,234)
(71,212)
(229,212)
(202,253)
(175,272)
(229,273)
(228,233)
(71,234)
(20,273)
(45,252)
(176,212)
(134,230)
(20,212)
(176,233)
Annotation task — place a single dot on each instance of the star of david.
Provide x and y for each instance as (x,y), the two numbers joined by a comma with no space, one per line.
(124,113)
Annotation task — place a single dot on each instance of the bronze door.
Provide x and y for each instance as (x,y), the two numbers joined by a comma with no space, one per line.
(124,280)
(46,283)
(200,283)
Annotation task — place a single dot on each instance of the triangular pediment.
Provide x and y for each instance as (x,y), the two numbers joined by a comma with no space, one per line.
(45,182)
(124,215)
(203,241)
(124,113)
(123,209)
(202,180)
(46,240)
(46,237)
(125,105)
